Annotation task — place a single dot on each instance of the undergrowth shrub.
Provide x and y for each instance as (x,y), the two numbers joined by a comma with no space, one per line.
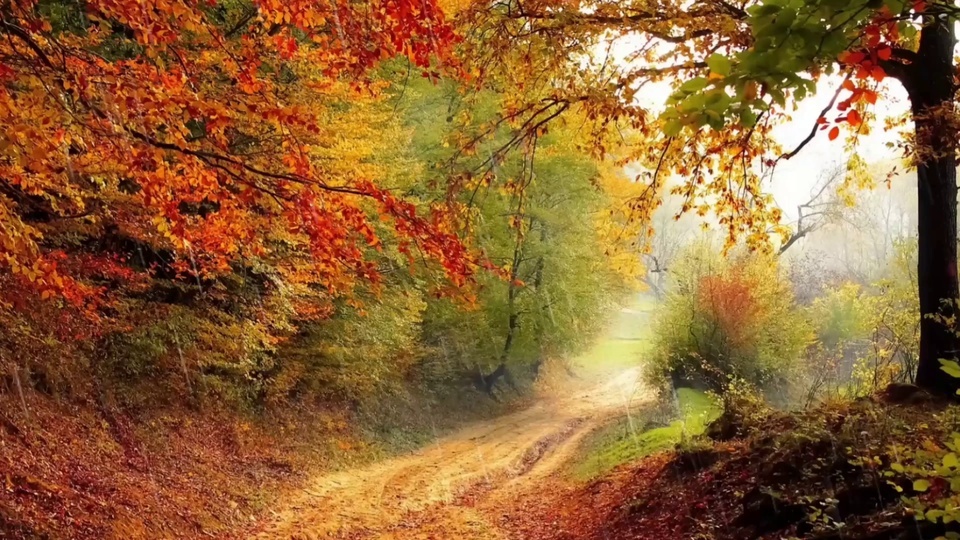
(744,408)
(934,470)
(727,319)
(867,335)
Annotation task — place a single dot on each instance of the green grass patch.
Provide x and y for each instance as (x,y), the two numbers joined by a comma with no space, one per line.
(624,345)
(621,441)
(611,355)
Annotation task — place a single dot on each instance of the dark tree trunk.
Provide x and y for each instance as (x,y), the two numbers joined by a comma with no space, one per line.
(513,319)
(544,302)
(930,85)
(513,323)
(490,381)
(937,271)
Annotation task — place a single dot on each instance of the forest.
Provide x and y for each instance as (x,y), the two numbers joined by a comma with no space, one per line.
(481,269)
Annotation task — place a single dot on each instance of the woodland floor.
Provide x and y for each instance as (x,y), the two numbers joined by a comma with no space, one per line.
(504,479)
(509,479)
(462,487)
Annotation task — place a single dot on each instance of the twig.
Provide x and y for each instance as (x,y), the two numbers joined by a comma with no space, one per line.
(813,131)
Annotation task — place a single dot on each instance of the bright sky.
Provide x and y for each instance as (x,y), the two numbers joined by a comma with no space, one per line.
(794,179)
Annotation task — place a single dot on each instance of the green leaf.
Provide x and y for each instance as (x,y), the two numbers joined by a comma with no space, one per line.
(934,515)
(718,105)
(748,118)
(714,119)
(950,460)
(895,6)
(950,367)
(672,128)
(921,485)
(765,10)
(907,30)
(778,97)
(719,64)
(694,85)
(955,484)
(785,19)
(694,103)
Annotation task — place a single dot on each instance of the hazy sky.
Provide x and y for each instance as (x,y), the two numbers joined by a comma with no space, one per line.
(794,179)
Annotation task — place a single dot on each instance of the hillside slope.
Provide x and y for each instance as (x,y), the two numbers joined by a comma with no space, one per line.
(825,474)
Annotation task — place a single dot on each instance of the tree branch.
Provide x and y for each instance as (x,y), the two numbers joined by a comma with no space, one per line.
(816,125)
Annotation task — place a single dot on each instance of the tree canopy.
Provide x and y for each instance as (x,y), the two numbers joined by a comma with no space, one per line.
(210,134)
(193,142)
(735,70)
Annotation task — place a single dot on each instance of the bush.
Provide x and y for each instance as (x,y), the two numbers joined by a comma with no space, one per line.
(729,319)
(743,411)
(841,316)
(868,336)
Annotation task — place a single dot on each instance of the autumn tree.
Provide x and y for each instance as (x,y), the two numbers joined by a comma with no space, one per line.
(736,69)
(190,138)
(673,230)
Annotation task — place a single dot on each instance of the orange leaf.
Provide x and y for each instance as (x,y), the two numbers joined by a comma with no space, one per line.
(870,96)
(878,73)
(834,133)
(848,85)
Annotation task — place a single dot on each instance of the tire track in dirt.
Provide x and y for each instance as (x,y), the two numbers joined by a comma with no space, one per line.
(440,491)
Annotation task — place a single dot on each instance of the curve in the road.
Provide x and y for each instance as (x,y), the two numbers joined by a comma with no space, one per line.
(434,493)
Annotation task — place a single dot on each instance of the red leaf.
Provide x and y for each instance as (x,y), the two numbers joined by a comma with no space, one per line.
(848,85)
(878,73)
(884,53)
(854,118)
(850,57)
(834,133)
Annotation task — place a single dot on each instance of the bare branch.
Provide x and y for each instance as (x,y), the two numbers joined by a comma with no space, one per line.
(816,125)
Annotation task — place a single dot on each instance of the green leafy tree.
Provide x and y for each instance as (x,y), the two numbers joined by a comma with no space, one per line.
(538,224)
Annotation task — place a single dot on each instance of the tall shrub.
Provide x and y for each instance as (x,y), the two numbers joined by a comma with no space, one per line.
(728,318)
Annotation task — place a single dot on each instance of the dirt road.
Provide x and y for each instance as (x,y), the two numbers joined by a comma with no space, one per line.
(447,489)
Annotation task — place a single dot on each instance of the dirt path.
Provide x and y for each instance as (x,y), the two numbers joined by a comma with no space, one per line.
(448,489)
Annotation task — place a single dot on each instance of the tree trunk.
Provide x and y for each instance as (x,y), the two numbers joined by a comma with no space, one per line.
(543,302)
(931,90)
(937,271)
